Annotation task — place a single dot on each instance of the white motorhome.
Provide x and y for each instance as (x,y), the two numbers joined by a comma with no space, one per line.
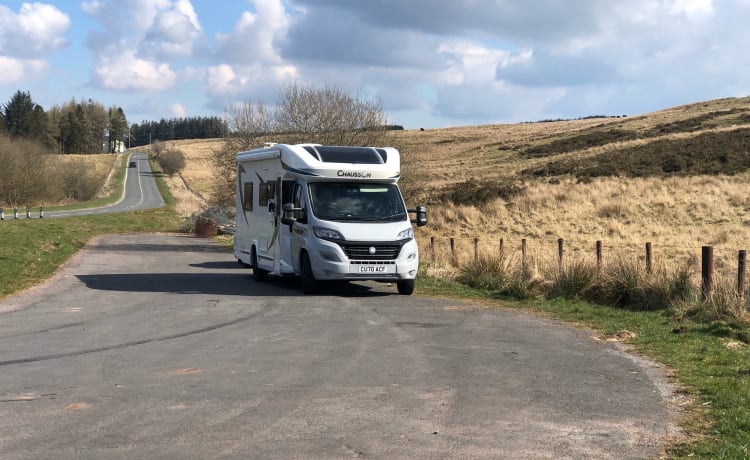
(325,213)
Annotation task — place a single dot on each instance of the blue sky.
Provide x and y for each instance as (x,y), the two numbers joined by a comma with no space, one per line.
(432,63)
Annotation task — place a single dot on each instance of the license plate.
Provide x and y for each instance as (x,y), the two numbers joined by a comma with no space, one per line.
(372,269)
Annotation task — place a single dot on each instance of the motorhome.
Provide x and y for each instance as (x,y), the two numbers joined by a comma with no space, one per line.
(324,212)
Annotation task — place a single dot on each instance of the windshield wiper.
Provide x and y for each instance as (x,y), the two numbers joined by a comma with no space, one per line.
(397,216)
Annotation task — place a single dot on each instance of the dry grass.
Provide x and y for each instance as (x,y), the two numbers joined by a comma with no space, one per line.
(676,214)
(100,166)
(198,174)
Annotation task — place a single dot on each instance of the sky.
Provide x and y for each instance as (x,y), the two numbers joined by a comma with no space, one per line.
(430,63)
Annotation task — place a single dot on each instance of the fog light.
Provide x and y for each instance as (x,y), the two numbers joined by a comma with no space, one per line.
(330,257)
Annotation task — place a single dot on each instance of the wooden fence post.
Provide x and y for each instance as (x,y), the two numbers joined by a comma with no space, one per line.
(599,255)
(707,270)
(741,264)
(501,248)
(432,248)
(560,251)
(648,258)
(476,249)
(453,251)
(523,252)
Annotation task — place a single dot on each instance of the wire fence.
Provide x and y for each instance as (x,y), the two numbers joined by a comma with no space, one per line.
(713,260)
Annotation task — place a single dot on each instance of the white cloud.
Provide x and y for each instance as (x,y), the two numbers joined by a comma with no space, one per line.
(470,63)
(173,32)
(126,72)
(36,31)
(177,110)
(13,70)
(253,36)
(222,79)
(21,70)
(224,82)
(694,9)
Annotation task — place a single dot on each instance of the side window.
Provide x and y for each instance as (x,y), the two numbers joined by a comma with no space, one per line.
(266,192)
(263,194)
(247,202)
(299,202)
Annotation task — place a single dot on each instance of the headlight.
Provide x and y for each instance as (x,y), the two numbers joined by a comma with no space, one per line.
(405,234)
(327,233)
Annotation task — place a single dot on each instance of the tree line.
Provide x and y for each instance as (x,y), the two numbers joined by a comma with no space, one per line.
(87,126)
(148,132)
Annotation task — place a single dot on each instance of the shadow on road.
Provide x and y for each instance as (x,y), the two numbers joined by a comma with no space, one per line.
(240,284)
(151,247)
(220,265)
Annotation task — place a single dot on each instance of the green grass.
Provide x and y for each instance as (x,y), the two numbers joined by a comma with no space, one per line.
(715,375)
(33,249)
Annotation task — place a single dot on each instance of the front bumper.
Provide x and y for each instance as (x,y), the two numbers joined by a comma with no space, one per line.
(348,261)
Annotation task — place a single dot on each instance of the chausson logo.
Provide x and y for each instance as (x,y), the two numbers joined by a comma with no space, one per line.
(356,174)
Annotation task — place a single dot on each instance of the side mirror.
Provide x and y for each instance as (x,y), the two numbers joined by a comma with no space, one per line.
(421,219)
(287,214)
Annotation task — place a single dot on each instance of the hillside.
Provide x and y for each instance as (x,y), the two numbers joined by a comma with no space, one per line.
(676,178)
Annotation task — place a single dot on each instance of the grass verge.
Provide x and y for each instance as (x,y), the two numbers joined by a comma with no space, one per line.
(710,361)
(33,249)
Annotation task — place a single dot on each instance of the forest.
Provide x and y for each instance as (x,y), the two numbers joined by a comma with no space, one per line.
(88,127)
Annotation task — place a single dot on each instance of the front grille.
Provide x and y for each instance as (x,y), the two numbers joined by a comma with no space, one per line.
(361,251)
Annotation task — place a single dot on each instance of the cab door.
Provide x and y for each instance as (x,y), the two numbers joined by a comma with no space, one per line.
(274,217)
(299,229)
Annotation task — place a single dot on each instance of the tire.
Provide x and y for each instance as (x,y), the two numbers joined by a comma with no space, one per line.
(258,273)
(307,279)
(405,287)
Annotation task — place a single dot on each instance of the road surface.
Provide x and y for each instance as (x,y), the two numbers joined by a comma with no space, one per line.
(160,346)
(140,192)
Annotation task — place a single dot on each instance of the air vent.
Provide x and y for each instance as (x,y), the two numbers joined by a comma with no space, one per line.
(363,251)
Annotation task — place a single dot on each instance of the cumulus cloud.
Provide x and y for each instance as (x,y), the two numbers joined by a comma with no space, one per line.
(342,37)
(225,84)
(140,40)
(173,32)
(254,35)
(126,72)
(35,31)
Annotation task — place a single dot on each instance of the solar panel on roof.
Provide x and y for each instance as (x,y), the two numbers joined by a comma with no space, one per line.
(352,155)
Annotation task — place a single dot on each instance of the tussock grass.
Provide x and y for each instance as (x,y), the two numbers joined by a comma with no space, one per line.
(621,283)
(572,279)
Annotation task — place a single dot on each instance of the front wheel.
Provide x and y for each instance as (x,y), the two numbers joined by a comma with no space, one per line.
(258,273)
(405,287)
(307,278)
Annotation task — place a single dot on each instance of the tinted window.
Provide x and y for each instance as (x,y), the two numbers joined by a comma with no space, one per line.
(355,201)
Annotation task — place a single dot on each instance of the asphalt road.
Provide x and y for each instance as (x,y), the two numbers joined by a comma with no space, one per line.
(159,346)
(140,192)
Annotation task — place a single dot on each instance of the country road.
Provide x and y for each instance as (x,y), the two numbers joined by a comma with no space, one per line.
(162,346)
(140,192)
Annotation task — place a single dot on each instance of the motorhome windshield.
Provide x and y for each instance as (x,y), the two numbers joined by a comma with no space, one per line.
(355,201)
